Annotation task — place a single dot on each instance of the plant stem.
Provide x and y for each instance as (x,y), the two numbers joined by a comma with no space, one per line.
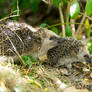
(17,7)
(54,25)
(80,26)
(86,16)
(62,20)
(67,12)
(73,27)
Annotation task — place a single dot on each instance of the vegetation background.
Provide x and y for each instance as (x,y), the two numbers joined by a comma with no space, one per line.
(71,18)
(67,18)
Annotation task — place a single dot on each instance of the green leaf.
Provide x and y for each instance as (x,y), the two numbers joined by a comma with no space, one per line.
(89,32)
(88,8)
(54,29)
(74,9)
(90,46)
(3,1)
(24,4)
(87,26)
(68,31)
(66,1)
(43,25)
(87,23)
(56,2)
(34,5)
(29,60)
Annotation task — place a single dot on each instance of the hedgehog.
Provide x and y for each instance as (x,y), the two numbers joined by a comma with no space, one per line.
(17,39)
(67,51)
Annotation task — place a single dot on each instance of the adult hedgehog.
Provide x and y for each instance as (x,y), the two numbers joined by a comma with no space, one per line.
(17,39)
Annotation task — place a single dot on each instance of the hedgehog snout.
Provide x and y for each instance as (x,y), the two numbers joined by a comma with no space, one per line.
(87,58)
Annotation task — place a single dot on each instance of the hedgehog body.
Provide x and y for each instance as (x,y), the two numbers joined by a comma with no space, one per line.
(67,51)
(24,39)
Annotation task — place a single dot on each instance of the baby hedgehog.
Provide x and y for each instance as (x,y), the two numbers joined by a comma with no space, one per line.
(19,39)
(67,51)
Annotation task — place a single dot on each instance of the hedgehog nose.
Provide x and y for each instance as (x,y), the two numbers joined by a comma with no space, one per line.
(61,40)
(87,58)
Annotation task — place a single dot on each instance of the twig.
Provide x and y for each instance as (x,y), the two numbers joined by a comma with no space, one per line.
(8,17)
(22,62)
(11,16)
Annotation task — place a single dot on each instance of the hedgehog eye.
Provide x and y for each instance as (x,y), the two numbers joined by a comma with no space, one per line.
(38,39)
(52,38)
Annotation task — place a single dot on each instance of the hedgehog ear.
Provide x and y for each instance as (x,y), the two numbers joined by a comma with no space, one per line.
(85,41)
(41,30)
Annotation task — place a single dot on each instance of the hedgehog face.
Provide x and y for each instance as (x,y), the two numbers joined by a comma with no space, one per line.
(49,40)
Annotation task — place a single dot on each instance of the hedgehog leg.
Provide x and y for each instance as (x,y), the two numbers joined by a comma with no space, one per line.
(3,58)
(7,59)
(69,66)
(53,61)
